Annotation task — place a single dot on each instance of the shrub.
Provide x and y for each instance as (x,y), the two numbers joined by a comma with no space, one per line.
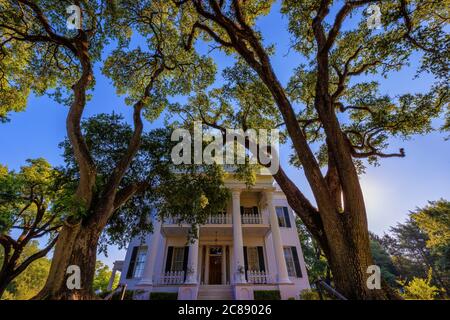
(267,295)
(308,294)
(163,295)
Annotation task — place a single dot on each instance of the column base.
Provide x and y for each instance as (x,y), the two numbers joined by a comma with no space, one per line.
(288,291)
(188,292)
(284,281)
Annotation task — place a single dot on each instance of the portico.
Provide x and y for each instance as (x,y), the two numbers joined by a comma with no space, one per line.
(246,246)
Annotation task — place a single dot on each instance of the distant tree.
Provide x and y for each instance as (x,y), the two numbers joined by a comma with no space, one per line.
(434,219)
(420,289)
(316,262)
(31,203)
(29,282)
(102,277)
(382,259)
(407,245)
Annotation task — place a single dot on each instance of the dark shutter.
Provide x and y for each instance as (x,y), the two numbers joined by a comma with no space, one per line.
(262,267)
(298,271)
(169,258)
(245,262)
(286,217)
(185,261)
(132,263)
(242,210)
(255,211)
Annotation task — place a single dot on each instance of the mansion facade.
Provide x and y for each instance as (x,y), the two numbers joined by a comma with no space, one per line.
(252,246)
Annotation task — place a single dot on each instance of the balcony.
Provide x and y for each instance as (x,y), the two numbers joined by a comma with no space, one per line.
(170,278)
(246,218)
(218,225)
(258,277)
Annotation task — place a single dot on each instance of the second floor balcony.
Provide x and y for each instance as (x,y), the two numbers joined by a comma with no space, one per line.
(254,224)
(221,218)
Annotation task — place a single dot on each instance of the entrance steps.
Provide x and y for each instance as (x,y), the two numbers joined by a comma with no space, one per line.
(215,292)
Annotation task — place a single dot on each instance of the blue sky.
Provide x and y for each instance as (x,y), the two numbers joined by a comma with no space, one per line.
(391,190)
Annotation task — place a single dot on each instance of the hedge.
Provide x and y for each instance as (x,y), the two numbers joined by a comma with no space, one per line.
(267,295)
(163,295)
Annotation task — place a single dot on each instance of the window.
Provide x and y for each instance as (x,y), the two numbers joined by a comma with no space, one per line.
(140,262)
(177,259)
(253,260)
(283,217)
(292,262)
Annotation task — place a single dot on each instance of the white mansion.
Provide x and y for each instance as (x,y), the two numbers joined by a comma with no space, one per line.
(253,246)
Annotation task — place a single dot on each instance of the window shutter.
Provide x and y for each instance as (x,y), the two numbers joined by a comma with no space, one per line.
(169,258)
(255,211)
(132,263)
(262,266)
(245,262)
(185,261)
(298,270)
(286,217)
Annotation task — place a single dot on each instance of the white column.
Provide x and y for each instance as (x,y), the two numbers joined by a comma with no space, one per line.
(192,265)
(152,250)
(111,280)
(283,276)
(238,244)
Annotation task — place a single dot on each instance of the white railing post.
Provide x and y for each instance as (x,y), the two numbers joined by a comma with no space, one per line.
(258,277)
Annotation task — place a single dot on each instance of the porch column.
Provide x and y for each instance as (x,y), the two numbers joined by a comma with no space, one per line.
(283,276)
(113,277)
(152,250)
(192,274)
(238,244)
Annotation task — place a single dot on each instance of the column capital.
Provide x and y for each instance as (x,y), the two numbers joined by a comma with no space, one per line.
(268,193)
(236,192)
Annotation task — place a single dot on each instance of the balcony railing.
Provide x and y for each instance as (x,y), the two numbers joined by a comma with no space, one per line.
(258,277)
(219,219)
(171,277)
(246,218)
(249,218)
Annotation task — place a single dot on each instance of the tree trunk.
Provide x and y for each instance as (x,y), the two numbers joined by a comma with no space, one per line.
(343,239)
(4,281)
(76,246)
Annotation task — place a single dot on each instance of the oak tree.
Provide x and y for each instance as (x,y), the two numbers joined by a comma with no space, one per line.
(331,102)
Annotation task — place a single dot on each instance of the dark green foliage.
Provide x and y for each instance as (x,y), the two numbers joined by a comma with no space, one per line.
(267,295)
(192,192)
(163,295)
(316,263)
(382,259)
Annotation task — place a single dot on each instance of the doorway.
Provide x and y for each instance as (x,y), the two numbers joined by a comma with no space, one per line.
(215,265)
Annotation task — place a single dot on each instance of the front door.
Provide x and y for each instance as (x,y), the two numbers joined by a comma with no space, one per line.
(215,270)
